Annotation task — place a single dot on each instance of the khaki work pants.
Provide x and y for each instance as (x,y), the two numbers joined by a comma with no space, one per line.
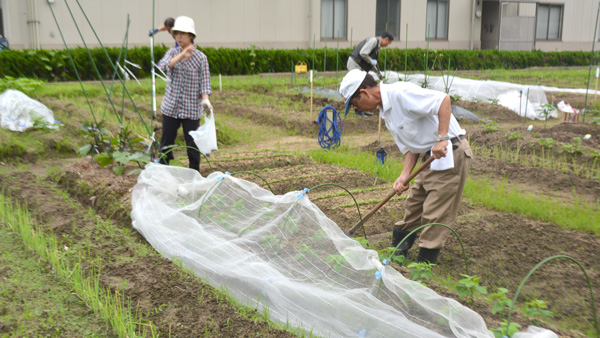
(435,197)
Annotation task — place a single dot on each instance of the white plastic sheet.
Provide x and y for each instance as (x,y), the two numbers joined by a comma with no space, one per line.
(525,100)
(205,136)
(282,252)
(19,112)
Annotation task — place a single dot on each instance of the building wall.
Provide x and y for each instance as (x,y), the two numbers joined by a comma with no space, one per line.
(266,23)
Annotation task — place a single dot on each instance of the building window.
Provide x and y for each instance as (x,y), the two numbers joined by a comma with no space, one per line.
(387,17)
(549,22)
(333,19)
(437,19)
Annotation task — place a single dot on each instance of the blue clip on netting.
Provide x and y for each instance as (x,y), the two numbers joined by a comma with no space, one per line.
(329,133)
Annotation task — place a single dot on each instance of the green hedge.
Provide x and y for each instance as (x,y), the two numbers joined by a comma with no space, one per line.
(55,65)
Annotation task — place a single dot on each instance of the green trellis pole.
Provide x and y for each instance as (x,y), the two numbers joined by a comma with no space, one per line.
(591,61)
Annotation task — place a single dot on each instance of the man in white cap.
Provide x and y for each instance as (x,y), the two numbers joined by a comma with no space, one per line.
(422,124)
(187,92)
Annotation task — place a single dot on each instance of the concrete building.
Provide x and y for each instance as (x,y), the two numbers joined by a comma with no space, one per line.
(548,25)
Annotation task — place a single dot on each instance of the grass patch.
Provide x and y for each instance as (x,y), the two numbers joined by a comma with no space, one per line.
(345,156)
(576,215)
(112,308)
(572,77)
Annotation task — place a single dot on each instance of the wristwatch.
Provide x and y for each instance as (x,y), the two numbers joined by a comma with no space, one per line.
(442,138)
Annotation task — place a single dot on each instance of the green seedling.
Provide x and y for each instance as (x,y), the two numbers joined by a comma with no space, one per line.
(536,308)
(305,250)
(546,109)
(96,132)
(319,235)
(501,303)
(490,127)
(420,271)
(514,135)
(272,242)
(337,262)
(455,97)
(546,142)
(363,241)
(41,123)
(389,252)
(573,148)
(494,101)
(504,331)
(469,287)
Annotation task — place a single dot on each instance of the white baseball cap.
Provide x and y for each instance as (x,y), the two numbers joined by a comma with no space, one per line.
(350,84)
(184,24)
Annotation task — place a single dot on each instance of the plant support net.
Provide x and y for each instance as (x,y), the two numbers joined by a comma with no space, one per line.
(282,252)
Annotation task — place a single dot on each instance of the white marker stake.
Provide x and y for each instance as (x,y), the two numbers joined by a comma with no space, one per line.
(311,94)
(220,85)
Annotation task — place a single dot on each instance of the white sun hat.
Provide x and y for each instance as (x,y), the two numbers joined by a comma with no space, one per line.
(184,24)
(350,84)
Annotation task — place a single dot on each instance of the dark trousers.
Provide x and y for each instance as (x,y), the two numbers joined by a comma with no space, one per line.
(170,126)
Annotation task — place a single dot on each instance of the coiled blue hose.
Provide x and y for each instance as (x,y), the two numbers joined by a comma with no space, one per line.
(329,137)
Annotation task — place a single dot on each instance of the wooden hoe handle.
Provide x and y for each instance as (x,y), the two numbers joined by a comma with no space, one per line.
(389,196)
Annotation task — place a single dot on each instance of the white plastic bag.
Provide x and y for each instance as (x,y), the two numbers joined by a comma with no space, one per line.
(19,112)
(205,136)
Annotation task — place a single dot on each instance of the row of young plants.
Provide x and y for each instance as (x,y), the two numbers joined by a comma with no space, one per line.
(54,65)
(469,289)
(221,210)
(545,152)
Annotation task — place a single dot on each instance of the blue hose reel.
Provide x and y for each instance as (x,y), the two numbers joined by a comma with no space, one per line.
(330,127)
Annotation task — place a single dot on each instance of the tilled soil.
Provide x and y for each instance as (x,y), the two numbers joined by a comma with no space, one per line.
(499,247)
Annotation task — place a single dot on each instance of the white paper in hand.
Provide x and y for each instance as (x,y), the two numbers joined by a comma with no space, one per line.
(443,163)
(205,136)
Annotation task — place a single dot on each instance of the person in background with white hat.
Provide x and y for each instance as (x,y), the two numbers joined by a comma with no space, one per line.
(422,124)
(187,92)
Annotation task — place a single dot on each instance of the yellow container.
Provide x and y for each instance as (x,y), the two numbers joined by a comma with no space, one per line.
(301,67)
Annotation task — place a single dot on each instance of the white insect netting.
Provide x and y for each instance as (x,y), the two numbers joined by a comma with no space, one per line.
(282,252)
(525,100)
(19,112)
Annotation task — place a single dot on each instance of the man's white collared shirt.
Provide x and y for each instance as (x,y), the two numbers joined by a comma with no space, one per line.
(411,115)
